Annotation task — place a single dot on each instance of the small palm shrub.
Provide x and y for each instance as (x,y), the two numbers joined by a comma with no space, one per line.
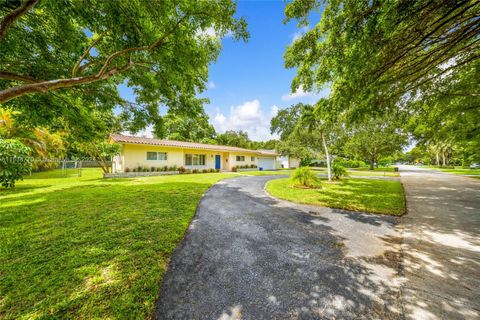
(305,177)
(181,170)
(338,171)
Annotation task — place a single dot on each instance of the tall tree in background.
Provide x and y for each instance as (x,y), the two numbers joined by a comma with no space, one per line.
(64,58)
(234,138)
(376,138)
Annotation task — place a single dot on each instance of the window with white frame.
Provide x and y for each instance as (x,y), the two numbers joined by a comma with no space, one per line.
(240,158)
(156,155)
(194,159)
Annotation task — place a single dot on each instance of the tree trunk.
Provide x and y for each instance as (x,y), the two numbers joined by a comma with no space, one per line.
(443,158)
(327,155)
(437,158)
(372,163)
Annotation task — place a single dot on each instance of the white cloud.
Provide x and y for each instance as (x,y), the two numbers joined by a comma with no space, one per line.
(309,96)
(210,32)
(300,32)
(248,117)
(300,93)
(211,85)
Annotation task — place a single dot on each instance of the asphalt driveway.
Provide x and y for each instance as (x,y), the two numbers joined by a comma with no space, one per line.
(249,256)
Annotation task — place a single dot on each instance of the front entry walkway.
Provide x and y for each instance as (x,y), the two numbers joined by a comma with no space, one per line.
(441,245)
(248,256)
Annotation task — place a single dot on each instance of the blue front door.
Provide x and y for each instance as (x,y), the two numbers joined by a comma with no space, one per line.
(217,161)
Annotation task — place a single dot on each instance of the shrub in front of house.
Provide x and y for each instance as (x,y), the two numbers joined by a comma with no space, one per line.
(127,170)
(188,171)
(172,168)
(139,169)
(181,170)
(153,169)
(205,171)
(234,169)
(305,177)
(195,171)
(253,166)
(15,162)
(338,171)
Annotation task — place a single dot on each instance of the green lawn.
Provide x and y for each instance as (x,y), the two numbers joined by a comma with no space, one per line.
(364,171)
(458,170)
(264,173)
(354,172)
(90,247)
(369,195)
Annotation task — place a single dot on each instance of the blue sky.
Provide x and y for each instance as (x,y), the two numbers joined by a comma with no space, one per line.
(248,83)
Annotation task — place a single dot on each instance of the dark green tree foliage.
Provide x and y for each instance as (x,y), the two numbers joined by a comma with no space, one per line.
(374,139)
(285,120)
(64,59)
(374,54)
(234,138)
(15,162)
(186,124)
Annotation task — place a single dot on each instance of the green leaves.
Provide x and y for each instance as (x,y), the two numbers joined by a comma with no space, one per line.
(373,53)
(60,57)
(15,162)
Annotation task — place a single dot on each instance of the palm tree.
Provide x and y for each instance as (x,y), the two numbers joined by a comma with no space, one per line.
(39,140)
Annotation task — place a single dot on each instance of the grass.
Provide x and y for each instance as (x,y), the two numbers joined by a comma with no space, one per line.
(368,195)
(353,172)
(264,173)
(90,247)
(458,170)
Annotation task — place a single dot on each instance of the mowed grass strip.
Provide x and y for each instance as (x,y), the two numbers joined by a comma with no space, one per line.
(90,247)
(366,195)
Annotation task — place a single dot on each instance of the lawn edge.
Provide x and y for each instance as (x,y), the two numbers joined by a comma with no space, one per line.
(350,210)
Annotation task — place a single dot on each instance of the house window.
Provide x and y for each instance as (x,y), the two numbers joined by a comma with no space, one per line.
(156,155)
(194,159)
(240,158)
(252,159)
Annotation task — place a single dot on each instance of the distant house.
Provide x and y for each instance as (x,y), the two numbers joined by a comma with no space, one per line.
(287,162)
(148,152)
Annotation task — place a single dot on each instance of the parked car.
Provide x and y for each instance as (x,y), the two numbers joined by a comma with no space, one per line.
(475,166)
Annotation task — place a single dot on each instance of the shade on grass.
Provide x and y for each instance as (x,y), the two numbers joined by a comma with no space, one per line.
(368,195)
(90,247)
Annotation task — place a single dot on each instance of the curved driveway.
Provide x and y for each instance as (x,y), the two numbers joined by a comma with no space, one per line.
(249,256)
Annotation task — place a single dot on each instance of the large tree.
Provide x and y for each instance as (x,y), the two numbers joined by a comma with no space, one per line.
(64,58)
(374,54)
(234,138)
(376,138)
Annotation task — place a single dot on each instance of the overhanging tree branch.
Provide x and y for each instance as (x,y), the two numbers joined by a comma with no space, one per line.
(104,72)
(16,77)
(13,16)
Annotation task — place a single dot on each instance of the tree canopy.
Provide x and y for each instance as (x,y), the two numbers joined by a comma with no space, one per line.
(373,53)
(66,58)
